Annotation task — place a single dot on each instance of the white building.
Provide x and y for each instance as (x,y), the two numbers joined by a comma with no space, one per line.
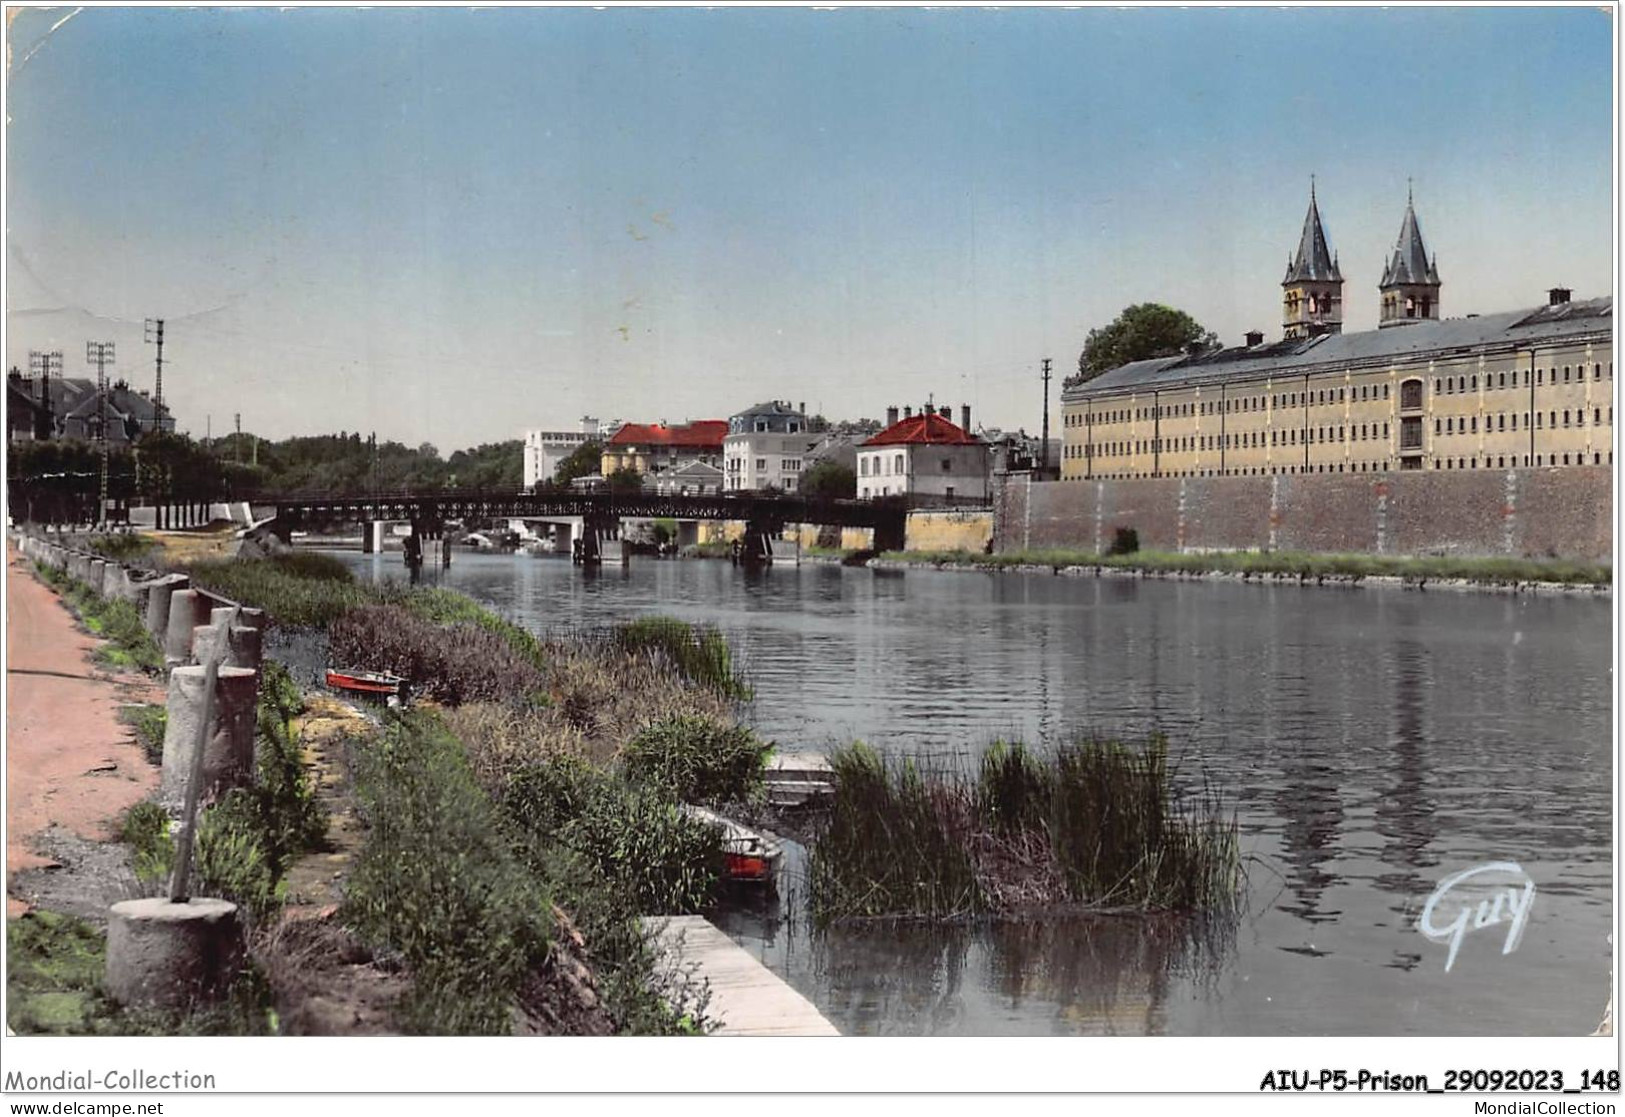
(766,446)
(545,449)
(924,455)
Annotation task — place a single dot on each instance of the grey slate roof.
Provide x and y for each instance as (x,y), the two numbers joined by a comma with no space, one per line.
(1409,263)
(1314,260)
(1370,347)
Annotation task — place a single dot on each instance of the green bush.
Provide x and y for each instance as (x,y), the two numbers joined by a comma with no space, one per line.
(439,882)
(1013,789)
(636,835)
(699,653)
(1125,541)
(698,759)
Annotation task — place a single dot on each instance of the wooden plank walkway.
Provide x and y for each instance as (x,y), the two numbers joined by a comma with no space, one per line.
(747,999)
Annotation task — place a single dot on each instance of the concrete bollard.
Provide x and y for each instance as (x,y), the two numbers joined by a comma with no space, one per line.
(158,595)
(78,566)
(187,609)
(228,749)
(242,645)
(119,585)
(161,954)
(96,576)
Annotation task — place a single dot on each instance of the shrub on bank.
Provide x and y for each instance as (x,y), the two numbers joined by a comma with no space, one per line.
(636,835)
(698,759)
(448,607)
(451,664)
(438,882)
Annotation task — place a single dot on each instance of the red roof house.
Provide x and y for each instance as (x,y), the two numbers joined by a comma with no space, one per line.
(923,429)
(656,447)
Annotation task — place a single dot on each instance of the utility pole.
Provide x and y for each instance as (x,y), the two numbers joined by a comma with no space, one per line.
(237,443)
(100,354)
(42,365)
(1043,447)
(155,333)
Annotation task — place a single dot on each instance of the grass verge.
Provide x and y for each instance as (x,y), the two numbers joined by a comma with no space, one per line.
(1292,564)
(55,965)
(129,646)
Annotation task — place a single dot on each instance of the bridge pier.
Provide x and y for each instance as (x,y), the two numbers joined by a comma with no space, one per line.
(372,537)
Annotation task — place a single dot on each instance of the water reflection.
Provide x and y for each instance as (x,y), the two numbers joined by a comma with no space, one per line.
(1371,741)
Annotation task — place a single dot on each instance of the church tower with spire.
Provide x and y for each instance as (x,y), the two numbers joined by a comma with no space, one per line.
(1410,281)
(1312,292)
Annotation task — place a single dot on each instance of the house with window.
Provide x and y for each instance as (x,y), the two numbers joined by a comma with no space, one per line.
(655,448)
(546,449)
(924,455)
(767,447)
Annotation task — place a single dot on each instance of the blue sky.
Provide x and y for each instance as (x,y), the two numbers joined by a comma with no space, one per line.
(450,225)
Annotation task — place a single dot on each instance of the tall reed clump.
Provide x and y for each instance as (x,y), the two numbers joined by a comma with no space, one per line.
(454,663)
(1097,823)
(300,590)
(440,883)
(699,653)
(896,843)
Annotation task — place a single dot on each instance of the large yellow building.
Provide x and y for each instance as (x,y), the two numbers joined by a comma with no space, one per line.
(1526,388)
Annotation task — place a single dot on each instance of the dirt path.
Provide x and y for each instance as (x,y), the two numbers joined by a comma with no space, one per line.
(71,765)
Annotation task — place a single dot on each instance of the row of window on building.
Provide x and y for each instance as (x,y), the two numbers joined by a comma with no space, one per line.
(1451,385)
(893,464)
(1468,424)
(1243,440)
(1363,393)
(1497,461)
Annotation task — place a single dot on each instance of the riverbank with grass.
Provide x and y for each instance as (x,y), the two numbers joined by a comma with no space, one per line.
(1430,572)
(561,762)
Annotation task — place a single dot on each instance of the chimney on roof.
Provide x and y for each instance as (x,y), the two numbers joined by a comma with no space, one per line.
(1557,296)
(1255,338)
(946,412)
(891,416)
(1193,349)
(964,416)
(802,407)
(908,411)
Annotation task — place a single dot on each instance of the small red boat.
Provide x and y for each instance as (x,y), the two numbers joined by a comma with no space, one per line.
(366,682)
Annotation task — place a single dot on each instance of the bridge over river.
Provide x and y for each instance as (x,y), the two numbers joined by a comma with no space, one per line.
(599,513)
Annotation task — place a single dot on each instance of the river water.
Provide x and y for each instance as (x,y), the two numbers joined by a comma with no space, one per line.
(1372,742)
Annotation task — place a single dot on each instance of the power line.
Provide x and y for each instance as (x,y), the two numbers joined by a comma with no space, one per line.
(100,354)
(155,332)
(1043,447)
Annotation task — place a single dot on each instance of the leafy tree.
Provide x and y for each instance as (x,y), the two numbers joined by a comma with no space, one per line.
(1141,332)
(625,480)
(498,466)
(582,462)
(830,479)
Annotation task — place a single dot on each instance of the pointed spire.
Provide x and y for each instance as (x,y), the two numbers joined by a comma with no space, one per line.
(1409,262)
(1314,260)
